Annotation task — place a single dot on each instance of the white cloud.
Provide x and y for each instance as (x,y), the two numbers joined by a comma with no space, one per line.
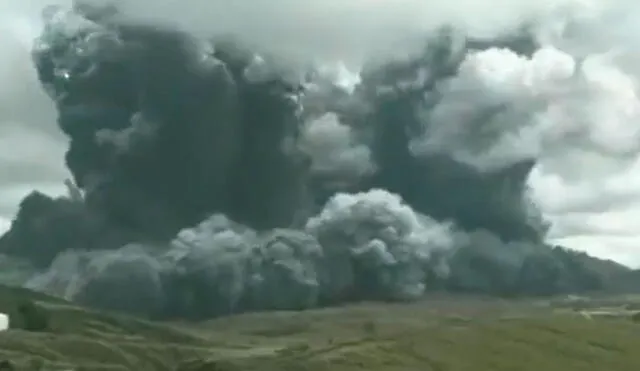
(599,215)
(593,202)
(574,105)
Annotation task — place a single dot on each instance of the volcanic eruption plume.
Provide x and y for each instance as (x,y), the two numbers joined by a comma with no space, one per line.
(210,178)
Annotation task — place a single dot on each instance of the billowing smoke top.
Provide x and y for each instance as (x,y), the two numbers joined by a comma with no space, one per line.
(214,180)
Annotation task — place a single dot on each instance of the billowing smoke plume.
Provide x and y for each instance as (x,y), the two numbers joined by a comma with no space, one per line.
(209,179)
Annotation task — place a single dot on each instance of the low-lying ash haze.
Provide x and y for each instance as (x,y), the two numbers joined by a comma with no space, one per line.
(224,157)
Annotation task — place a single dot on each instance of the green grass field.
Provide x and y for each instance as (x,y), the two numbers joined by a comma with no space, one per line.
(440,334)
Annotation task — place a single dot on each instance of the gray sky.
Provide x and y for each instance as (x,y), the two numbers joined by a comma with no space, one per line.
(31,146)
(592,197)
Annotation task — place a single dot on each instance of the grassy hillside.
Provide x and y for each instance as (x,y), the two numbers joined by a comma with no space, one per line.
(438,334)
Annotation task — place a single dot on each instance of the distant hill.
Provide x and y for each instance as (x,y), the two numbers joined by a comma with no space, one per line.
(617,278)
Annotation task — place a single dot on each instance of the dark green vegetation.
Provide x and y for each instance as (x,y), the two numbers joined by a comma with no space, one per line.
(441,333)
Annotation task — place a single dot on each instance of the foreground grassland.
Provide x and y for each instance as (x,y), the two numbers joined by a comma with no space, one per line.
(440,334)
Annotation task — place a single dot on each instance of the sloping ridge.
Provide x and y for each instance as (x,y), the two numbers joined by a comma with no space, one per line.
(452,334)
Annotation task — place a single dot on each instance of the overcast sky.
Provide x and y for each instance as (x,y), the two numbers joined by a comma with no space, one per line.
(31,147)
(593,199)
